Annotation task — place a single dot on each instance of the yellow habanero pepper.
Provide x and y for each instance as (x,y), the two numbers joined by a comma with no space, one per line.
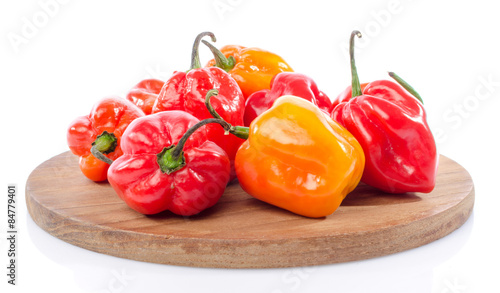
(252,68)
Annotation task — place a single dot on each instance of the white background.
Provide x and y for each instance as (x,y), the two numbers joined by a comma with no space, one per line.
(58,58)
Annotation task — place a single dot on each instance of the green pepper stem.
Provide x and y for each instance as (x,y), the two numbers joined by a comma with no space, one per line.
(406,86)
(195,56)
(171,158)
(210,94)
(220,60)
(355,86)
(104,143)
(167,162)
(180,145)
(238,131)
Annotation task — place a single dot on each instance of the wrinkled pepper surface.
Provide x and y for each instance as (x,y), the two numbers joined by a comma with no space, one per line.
(285,83)
(297,158)
(252,68)
(145,93)
(162,168)
(186,91)
(101,130)
(390,123)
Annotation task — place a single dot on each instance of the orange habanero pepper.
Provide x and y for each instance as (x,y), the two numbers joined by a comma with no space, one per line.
(297,158)
(252,68)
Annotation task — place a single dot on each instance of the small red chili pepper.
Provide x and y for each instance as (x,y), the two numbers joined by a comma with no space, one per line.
(168,165)
(390,124)
(100,133)
(145,93)
(286,83)
(186,91)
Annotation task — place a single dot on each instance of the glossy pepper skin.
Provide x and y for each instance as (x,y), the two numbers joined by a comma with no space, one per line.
(285,83)
(299,159)
(145,93)
(345,95)
(187,91)
(252,68)
(391,126)
(138,176)
(112,115)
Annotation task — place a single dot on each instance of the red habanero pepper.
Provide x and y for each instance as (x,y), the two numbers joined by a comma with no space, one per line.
(186,91)
(100,133)
(145,93)
(168,165)
(391,126)
(285,83)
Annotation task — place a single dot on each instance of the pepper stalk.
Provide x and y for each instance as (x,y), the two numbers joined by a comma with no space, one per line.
(220,59)
(355,86)
(406,86)
(238,131)
(195,56)
(171,158)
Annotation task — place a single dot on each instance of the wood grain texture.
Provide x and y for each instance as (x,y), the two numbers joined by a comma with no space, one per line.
(240,231)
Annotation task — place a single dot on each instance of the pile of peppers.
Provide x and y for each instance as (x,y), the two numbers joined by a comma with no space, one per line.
(247,118)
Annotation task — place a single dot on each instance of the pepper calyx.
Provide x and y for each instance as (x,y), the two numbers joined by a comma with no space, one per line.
(168,162)
(171,158)
(104,143)
(240,131)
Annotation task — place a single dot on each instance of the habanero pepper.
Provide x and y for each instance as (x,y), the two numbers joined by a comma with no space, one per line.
(286,83)
(297,158)
(252,68)
(145,93)
(169,164)
(186,91)
(100,133)
(391,126)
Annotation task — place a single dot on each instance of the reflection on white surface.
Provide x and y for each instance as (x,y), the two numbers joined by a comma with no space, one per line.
(409,271)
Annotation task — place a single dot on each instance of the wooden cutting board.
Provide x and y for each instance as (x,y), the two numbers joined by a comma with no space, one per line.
(240,231)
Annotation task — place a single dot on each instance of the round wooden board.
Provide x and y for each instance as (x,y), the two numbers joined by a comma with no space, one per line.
(240,231)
